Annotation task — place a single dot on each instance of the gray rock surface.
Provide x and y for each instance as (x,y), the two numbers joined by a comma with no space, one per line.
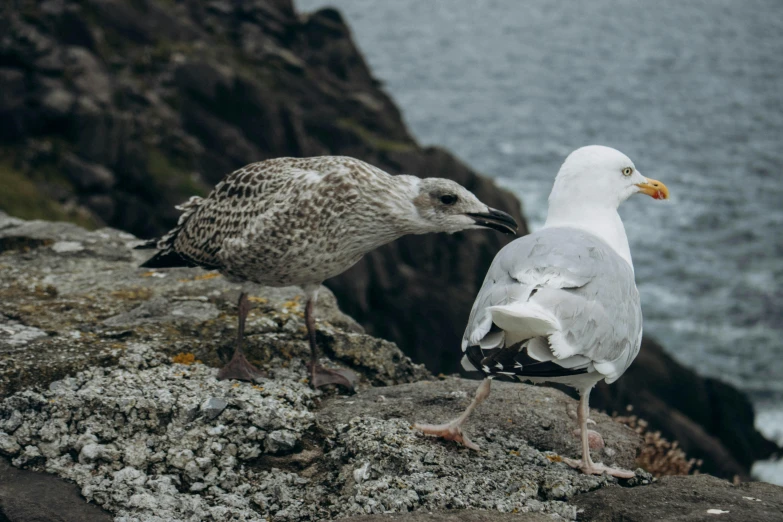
(687,499)
(102,384)
(72,298)
(27,496)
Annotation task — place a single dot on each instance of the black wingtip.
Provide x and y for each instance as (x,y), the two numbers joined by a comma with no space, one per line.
(167,259)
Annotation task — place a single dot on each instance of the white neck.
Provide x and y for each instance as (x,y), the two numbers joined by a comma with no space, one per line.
(603,222)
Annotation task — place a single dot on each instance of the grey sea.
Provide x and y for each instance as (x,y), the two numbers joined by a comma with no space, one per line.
(691,90)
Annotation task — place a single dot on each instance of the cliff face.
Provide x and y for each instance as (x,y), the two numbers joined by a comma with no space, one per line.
(114,111)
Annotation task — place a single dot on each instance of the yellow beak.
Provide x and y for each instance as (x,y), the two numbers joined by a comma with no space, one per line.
(654,188)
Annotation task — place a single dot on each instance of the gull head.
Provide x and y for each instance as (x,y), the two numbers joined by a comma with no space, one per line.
(602,176)
(446,206)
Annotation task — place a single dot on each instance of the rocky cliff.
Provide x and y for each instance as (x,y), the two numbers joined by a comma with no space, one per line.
(108,381)
(114,111)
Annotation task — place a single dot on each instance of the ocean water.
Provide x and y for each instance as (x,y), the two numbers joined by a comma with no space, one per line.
(691,90)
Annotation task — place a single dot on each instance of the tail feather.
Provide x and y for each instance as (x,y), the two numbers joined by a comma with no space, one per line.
(148,244)
(168,259)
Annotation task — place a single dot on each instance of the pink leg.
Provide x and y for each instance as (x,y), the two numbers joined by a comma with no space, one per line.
(452,429)
(586,464)
(596,441)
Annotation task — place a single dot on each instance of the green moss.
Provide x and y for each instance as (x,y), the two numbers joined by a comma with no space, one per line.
(373,139)
(22,197)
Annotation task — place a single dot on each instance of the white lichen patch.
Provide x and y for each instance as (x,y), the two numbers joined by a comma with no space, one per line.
(392,468)
(147,442)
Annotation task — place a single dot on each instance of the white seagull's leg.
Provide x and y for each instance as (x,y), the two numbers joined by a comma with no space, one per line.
(452,429)
(586,464)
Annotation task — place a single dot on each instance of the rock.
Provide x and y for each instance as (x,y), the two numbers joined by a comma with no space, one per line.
(129,413)
(462,515)
(87,176)
(26,496)
(12,103)
(685,498)
(281,442)
(169,97)
(79,298)
(89,76)
(233,83)
(58,103)
(213,407)
(710,420)
(537,415)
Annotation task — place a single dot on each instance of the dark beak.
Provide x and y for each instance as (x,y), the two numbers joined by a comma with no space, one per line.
(496,219)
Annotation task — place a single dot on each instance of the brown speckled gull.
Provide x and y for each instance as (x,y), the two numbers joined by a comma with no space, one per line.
(300,221)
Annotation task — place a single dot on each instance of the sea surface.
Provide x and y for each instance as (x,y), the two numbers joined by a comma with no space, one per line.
(691,90)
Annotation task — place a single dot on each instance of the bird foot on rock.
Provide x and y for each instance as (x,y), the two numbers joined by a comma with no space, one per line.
(448,431)
(320,376)
(591,468)
(594,439)
(239,368)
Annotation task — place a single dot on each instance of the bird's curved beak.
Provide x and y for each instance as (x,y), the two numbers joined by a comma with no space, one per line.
(496,219)
(654,188)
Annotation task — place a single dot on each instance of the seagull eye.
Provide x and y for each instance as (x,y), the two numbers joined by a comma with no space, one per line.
(627,171)
(448,199)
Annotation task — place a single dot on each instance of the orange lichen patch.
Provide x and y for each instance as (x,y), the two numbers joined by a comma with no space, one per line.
(202,277)
(290,304)
(259,388)
(554,458)
(184,358)
(259,300)
(515,453)
(133,294)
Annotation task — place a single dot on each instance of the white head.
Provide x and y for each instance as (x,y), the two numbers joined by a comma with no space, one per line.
(443,205)
(591,184)
(602,177)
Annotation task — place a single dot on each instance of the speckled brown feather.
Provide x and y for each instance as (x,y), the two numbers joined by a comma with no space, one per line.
(290,221)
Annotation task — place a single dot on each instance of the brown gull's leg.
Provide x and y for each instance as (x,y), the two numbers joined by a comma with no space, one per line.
(239,367)
(452,430)
(586,464)
(320,376)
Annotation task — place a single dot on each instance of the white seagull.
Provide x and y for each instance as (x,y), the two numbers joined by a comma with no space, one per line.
(561,305)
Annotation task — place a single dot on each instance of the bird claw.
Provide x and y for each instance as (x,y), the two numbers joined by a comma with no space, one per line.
(320,376)
(591,468)
(239,368)
(448,431)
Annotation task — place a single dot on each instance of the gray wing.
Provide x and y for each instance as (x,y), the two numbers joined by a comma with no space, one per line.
(558,302)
